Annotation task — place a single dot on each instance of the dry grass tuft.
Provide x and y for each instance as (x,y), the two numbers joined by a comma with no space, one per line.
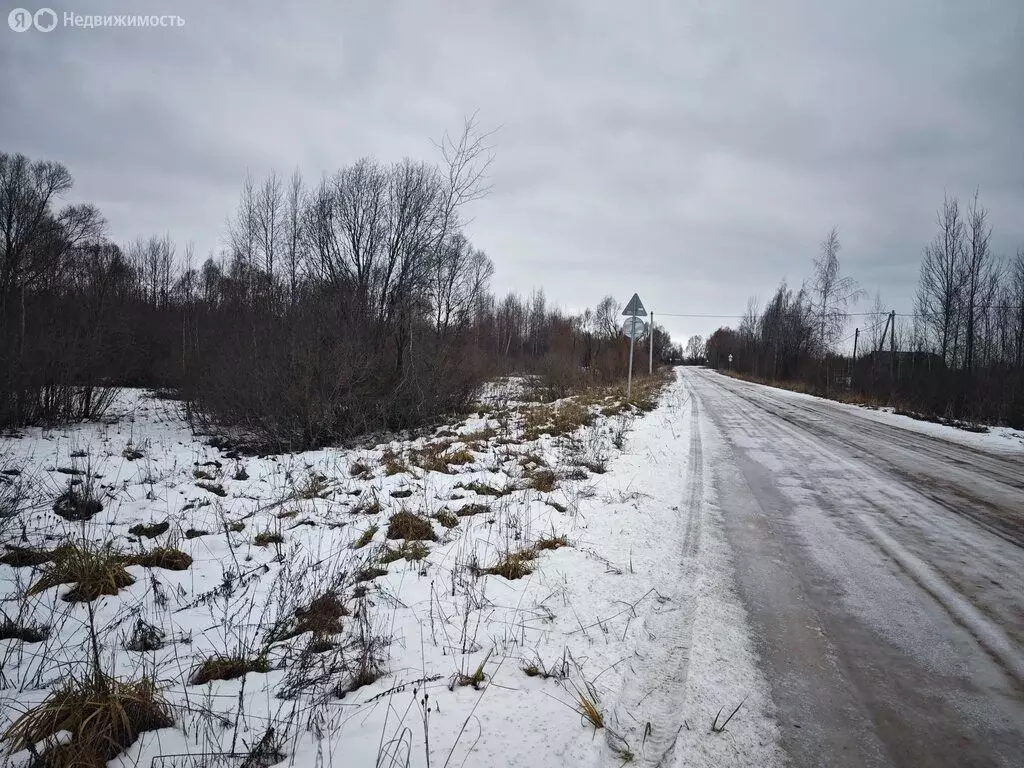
(266,538)
(77,504)
(227,668)
(555,420)
(555,671)
(577,473)
(365,537)
(588,707)
(145,637)
(168,558)
(613,410)
(215,488)
(468,510)
(103,715)
(24,557)
(480,436)
(437,457)
(359,469)
(393,463)
(533,670)
(150,531)
(315,486)
(447,518)
(431,457)
(543,480)
(195,533)
(322,616)
(413,551)
(530,461)
(94,572)
(369,574)
(513,565)
(476,679)
(460,457)
(483,489)
(234,527)
(597,465)
(406,525)
(367,507)
(26,633)
(551,542)
(647,390)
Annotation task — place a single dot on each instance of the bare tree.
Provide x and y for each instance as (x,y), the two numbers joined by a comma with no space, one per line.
(695,348)
(833,292)
(606,318)
(242,235)
(187,283)
(153,262)
(466,162)
(269,211)
(411,240)
(939,293)
(293,234)
(34,239)
(976,277)
(459,275)
(345,226)
(1015,302)
(27,191)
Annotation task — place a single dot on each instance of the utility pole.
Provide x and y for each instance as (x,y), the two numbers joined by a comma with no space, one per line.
(853,363)
(881,344)
(892,339)
(892,346)
(650,346)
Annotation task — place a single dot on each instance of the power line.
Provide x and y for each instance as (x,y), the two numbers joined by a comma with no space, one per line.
(847,314)
(719,317)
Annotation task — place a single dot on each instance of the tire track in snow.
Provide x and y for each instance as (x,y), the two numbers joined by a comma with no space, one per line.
(850,433)
(989,634)
(695,481)
(974,618)
(648,711)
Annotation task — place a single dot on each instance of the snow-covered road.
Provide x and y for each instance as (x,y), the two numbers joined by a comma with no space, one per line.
(883,572)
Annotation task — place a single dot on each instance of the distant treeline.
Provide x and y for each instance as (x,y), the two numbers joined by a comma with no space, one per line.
(958,354)
(355,303)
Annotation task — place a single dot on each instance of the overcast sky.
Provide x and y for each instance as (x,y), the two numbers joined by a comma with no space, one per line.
(694,152)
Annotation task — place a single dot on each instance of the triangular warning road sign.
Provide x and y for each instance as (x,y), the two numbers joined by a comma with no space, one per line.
(635,307)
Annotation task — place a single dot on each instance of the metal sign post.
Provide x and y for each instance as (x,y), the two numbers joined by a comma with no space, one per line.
(632,341)
(634,310)
(650,347)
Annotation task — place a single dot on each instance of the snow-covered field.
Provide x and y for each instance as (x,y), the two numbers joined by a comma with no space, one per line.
(368,591)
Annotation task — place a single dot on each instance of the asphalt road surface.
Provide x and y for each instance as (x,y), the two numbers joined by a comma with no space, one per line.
(883,573)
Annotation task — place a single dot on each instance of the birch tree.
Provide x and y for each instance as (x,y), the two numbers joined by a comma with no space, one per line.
(833,293)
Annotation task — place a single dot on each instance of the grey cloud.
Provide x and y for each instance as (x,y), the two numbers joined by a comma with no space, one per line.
(694,152)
